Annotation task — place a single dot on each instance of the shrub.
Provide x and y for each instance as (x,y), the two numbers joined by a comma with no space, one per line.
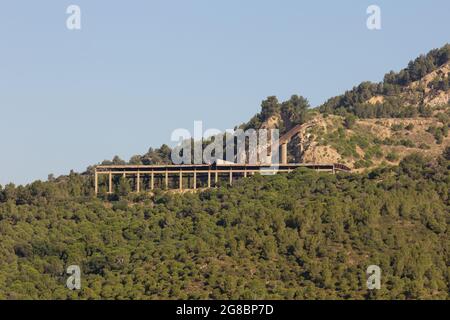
(392,156)
(397,127)
(424,146)
(349,121)
(407,143)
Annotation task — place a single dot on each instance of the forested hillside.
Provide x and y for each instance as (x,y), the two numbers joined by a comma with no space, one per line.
(303,235)
(373,124)
(408,93)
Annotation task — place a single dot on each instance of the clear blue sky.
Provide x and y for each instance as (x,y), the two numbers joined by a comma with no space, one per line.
(139,69)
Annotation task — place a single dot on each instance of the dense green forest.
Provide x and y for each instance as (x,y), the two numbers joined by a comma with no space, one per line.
(303,235)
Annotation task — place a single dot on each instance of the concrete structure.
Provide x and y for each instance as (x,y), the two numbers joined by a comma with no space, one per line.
(298,130)
(149,177)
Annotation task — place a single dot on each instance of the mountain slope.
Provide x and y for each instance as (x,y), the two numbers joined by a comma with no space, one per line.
(399,94)
(369,142)
(374,124)
(304,235)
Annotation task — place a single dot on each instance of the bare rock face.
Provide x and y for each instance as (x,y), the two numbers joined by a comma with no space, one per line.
(322,154)
(326,140)
(430,96)
(421,91)
(272,123)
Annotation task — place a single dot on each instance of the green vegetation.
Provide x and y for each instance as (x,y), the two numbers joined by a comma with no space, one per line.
(355,100)
(392,156)
(420,67)
(153,156)
(398,142)
(424,146)
(292,112)
(299,236)
(303,235)
(440,82)
(349,121)
(346,143)
(397,127)
(407,143)
(439,133)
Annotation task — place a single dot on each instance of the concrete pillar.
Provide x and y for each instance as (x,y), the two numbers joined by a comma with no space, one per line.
(231,177)
(209,178)
(110,182)
(138,182)
(181,180)
(152,181)
(284,153)
(96,182)
(216,178)
(166,182)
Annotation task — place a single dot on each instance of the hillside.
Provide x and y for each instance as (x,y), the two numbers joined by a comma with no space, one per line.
(373,124)
(303,235)
(424,84)
(369,143)
(363,143)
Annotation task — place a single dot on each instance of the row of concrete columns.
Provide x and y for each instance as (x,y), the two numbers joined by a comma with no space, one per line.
(166,179)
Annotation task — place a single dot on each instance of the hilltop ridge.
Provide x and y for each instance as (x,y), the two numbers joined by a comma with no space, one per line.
(372,124)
